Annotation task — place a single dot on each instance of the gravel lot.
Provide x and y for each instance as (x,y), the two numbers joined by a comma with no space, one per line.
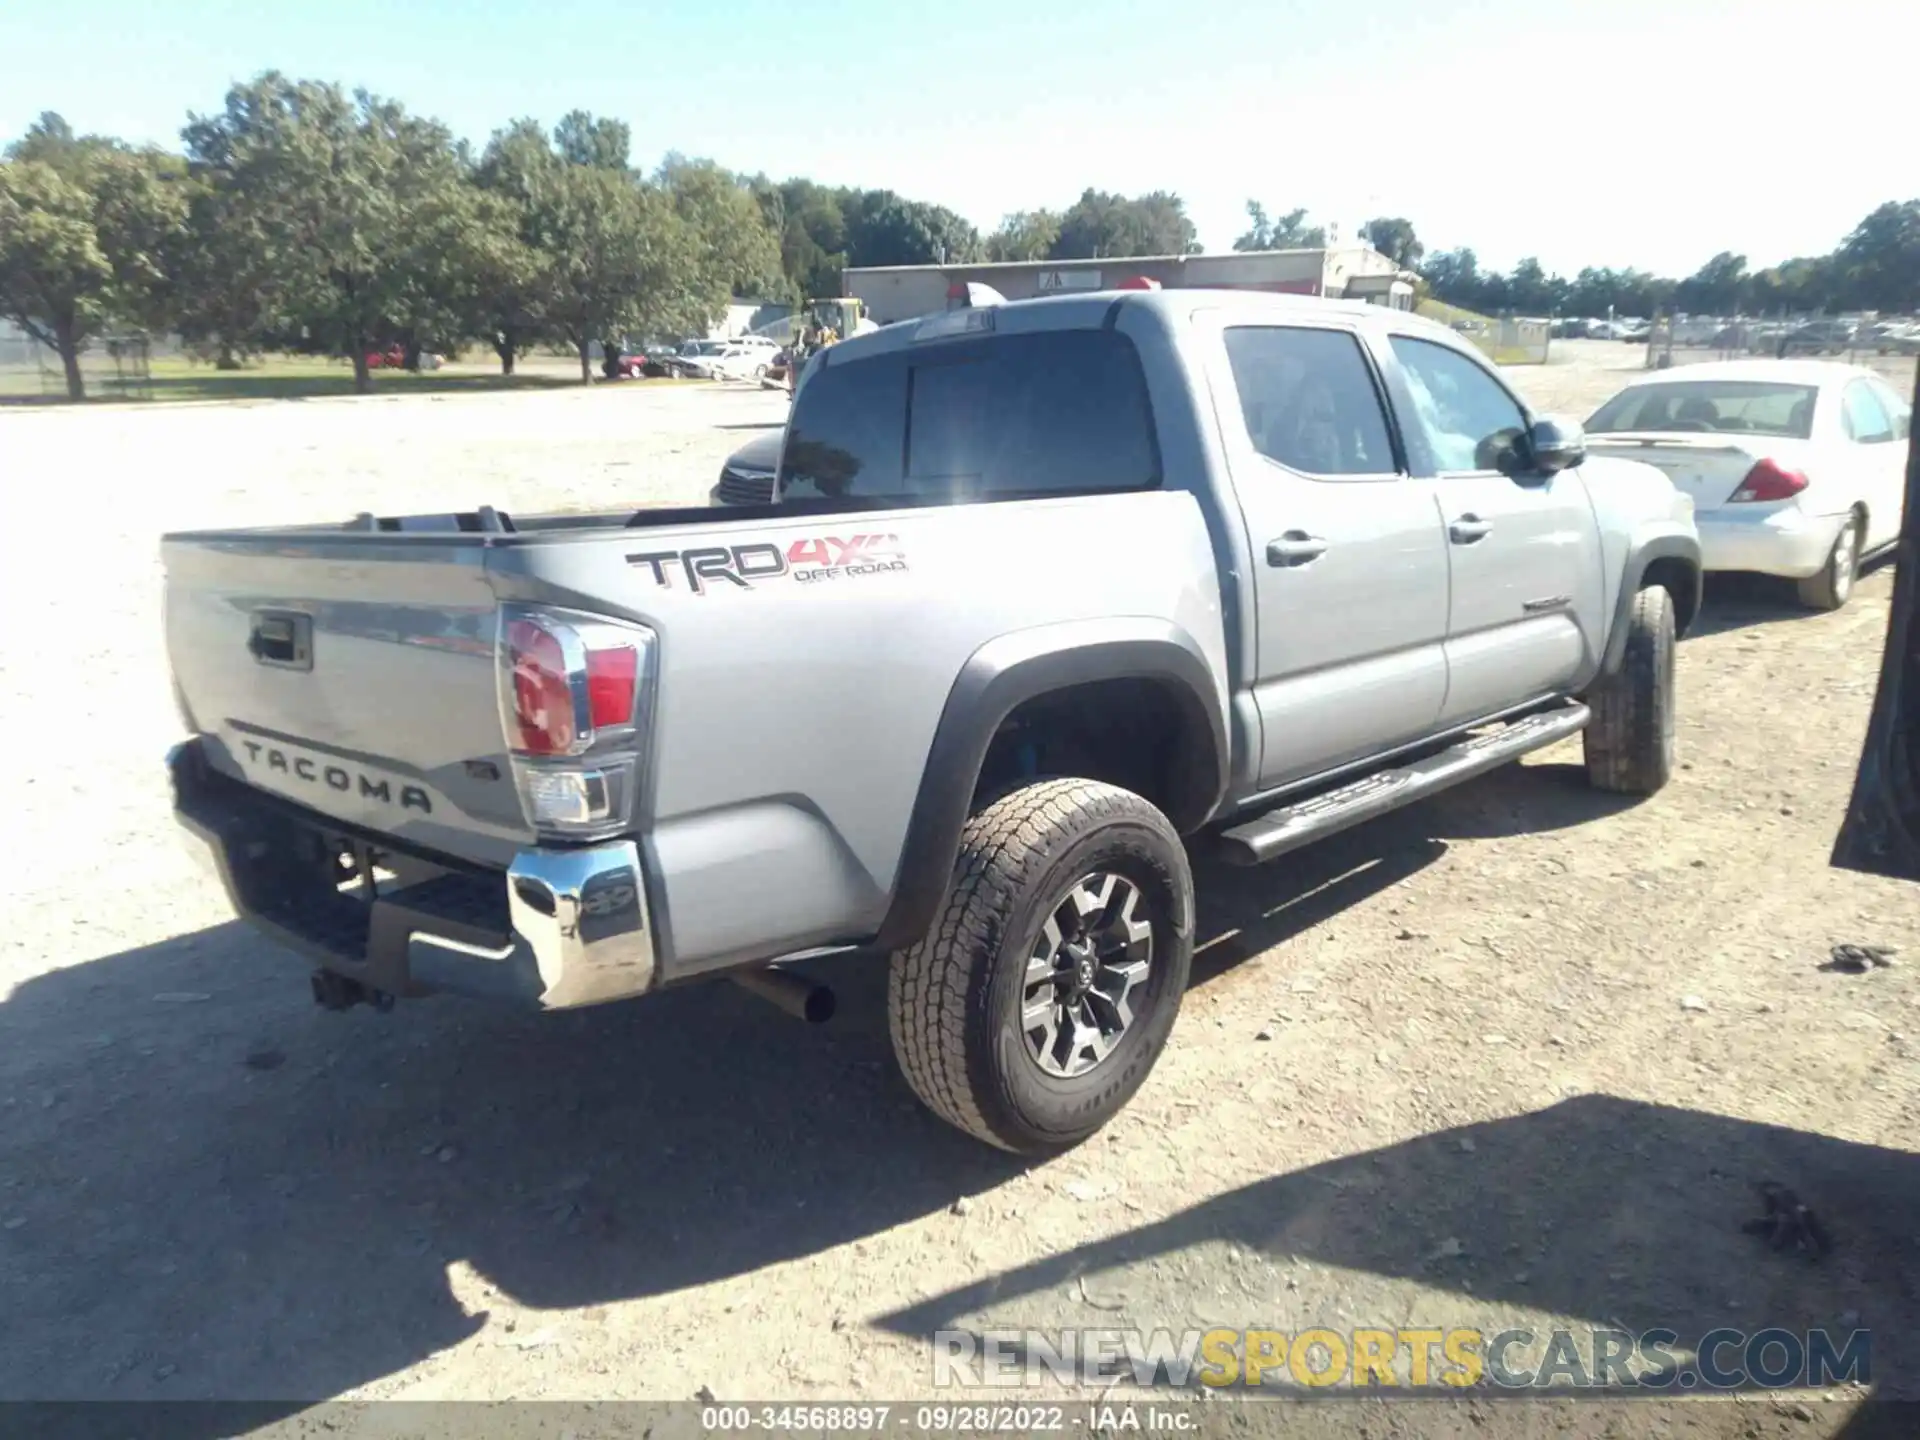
(1515,1056)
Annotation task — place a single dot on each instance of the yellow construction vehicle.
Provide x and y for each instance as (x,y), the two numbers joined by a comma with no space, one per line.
(816,325)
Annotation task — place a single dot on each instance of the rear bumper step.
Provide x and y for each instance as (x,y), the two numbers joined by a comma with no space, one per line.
(1256,841)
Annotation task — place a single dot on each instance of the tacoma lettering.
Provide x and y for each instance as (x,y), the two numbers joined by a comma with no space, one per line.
(337,777)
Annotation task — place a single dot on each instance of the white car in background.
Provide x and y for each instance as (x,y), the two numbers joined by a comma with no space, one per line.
(1796,468)
(744,359)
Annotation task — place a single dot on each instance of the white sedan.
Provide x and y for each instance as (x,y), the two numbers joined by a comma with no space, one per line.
(725,359)
(1797,468)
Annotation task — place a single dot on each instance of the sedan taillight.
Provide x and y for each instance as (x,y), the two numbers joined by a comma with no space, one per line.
(1768,480)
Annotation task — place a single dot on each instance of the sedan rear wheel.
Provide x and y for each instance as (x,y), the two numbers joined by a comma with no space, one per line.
(1833,586)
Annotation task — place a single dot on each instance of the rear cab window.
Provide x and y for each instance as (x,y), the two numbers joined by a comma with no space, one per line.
(1000,416)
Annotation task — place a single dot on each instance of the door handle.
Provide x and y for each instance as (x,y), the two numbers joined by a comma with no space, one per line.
(1296,547)
(1468,529)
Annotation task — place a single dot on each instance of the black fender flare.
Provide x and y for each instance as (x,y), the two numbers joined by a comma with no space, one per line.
(1640,559)
(1004,674)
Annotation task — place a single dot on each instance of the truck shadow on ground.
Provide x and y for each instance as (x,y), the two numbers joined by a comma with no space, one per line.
(211,1189)
(1616,1212)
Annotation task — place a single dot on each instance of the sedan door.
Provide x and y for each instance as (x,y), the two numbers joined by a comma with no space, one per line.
(1526,597)
(1350,561)
(1876,457)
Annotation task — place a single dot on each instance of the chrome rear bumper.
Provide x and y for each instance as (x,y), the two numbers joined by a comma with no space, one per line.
(561,928)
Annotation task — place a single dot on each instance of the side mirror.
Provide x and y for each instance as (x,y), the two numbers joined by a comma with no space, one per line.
(1555,445)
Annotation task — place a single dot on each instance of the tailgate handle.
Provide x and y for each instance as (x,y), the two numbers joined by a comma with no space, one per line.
(282,638)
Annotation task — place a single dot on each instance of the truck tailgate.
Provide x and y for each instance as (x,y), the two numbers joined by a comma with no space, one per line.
(354,674)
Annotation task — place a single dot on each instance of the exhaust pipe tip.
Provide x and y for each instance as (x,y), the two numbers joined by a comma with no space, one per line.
(820,1005)
(800,997)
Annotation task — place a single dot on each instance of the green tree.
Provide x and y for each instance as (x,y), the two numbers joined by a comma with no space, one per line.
(1809,282)
(596,142)
(739,243)
(887,229)
(1100,225)
(1531,291)
(1879,262)
(85,224)
(811,223)
(1454,276)
(618,259)
(364,210)
(1719,287)
(1025,235)
(1393,237)
(1289,232)
(514,280)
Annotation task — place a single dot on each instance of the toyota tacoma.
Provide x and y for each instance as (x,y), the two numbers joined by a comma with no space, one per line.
(1044,593)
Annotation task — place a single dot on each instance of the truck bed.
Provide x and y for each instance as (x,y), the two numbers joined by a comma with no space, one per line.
(804,656)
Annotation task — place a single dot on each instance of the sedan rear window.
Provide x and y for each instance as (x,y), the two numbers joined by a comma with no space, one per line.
(1057,411)
(1734,407)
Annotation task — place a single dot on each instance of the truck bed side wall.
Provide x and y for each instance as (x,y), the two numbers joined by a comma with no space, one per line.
(795,716)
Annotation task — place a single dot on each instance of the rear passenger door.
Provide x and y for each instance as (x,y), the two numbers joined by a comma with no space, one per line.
(1526,600)
(1874,432)
(1350,560)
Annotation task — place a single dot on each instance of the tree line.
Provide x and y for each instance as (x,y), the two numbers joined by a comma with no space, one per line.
(300,217)
(1875,267)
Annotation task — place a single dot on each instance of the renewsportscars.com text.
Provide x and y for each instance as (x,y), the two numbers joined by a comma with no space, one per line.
(1656,1361)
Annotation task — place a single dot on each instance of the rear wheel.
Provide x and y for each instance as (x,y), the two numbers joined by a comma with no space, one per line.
(1047,988)
(1629,741)
(1833,586)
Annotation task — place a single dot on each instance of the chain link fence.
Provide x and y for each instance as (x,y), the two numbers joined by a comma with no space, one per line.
(1890,348)
(118,366)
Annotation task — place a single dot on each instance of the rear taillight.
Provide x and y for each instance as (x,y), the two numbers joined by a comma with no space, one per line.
(572,701)
(544,714)
(1769,480)
(613,675)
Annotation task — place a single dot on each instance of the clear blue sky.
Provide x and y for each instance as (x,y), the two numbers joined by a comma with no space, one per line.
(1636,132)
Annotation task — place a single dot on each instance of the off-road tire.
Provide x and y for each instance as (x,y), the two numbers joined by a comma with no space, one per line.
(1629,741)
(1833,586)
(953,1000)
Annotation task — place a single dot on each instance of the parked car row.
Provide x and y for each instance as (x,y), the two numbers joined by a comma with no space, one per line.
(744,357)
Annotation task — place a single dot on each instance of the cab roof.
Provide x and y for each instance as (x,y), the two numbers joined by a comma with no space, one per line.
(1089,309)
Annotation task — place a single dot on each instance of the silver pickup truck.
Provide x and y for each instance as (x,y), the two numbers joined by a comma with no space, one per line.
(1044,592)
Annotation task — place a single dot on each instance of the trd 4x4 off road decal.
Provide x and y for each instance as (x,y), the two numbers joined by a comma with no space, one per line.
(827,557)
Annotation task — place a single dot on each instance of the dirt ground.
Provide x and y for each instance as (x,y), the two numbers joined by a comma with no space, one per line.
(1514,1057)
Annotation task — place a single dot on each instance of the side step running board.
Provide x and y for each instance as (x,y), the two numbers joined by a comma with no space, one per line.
(1291,826)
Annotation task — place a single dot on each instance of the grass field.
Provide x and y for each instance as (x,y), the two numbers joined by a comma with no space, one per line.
(292,377)
(1484,335)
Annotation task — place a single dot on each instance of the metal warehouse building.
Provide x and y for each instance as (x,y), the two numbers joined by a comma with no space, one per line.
(904,292)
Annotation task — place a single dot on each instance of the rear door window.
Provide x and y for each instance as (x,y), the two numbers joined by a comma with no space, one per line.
(1897,408)
(1866,418)
(1309,400)
(1054,412)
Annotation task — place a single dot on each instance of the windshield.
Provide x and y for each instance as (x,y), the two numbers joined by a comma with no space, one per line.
(1739,407)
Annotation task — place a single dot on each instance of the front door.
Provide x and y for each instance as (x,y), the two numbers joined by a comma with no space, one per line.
(1349,556)
(1527,599)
